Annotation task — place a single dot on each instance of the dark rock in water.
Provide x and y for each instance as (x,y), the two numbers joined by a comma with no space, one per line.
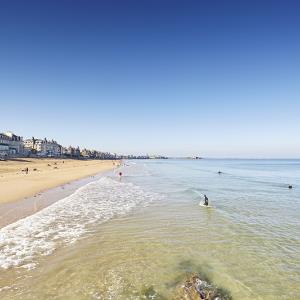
(151,294)
(196,288)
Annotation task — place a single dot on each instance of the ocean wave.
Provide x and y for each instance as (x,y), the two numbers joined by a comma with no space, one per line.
(65,221)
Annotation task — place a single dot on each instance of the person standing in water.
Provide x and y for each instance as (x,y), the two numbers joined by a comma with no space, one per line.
(120,174)
(205,200)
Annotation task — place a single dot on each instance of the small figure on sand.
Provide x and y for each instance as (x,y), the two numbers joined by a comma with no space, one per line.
(205,200)
(26,170)
(120,174)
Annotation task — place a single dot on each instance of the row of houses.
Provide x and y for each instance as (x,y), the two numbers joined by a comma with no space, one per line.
(13,145)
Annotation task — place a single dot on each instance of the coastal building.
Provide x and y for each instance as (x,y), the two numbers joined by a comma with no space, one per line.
(10,144)
(53,148)
(94,154)
(43,147)
(85,153)
(71,152)
(64,151)
(35,146)
(77,152)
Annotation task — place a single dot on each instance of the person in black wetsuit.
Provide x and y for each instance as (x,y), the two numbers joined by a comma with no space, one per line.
(205,200)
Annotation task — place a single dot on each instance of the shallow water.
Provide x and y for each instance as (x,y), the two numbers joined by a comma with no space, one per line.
(128,239)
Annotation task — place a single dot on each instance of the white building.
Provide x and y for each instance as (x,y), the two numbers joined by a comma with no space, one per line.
(10,144)
(43,147)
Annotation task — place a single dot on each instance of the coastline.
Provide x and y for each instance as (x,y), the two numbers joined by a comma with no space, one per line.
(24,194)
(107,233)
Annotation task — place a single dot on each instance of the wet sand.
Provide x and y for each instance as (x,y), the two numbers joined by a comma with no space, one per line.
(24,194)
(11,212)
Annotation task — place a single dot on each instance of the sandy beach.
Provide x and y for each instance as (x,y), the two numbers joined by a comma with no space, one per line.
(44,174)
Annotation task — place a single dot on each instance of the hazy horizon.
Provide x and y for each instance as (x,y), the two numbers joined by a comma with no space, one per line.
(162,77)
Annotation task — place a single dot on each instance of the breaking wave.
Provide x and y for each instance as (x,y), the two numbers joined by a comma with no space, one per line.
(65,221)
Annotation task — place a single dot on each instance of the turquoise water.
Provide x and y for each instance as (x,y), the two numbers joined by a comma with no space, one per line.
(250,192)
(118,239)
(258,213)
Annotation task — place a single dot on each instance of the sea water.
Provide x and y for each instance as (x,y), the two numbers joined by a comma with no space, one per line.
(140,235)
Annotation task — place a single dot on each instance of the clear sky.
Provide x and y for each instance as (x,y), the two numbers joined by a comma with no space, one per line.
(209,78)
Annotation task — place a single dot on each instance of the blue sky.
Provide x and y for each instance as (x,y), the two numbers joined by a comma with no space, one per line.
(210,78)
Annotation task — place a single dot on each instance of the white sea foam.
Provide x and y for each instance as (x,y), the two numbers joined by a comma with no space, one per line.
(67,220)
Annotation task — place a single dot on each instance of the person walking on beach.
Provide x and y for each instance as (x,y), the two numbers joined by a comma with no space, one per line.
(120,174)
(205,200)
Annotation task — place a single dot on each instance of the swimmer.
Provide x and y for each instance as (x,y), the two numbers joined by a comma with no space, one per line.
(205,200)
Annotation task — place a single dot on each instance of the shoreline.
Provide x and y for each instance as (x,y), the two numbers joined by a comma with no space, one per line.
(25,194)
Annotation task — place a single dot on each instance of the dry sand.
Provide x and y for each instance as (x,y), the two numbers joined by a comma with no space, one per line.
(15,184)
